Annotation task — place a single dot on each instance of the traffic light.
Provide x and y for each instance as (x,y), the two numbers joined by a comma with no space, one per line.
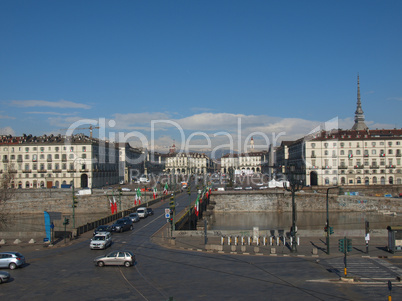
(75,202)
(171,220)
(348,245)
(341,245)
(331,230)
(66,221)
(325,229)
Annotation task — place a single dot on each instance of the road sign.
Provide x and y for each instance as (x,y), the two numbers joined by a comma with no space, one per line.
(167,212)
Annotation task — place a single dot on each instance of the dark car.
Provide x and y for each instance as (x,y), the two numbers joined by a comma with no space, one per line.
(150,211)
(103,228)
(123,224)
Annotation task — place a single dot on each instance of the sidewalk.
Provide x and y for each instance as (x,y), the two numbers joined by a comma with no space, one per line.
(309,246)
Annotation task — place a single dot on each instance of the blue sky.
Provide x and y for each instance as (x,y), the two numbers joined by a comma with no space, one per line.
(279,66)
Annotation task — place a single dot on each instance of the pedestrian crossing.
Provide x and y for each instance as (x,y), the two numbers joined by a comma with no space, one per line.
(364,267)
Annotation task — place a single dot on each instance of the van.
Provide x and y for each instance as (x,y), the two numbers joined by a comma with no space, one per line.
(144,180)
(142,212)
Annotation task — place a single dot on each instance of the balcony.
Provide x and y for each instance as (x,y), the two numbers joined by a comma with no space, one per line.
(42,171)
(63,159)
(313,156)
(5,160)
(12,171)
(27,171)
(366,155)
(358,166)
(382,155)
(342,167)
(326,167)
(374,167)
(19,160)
(84,170)
(56,170)
(391,166)
(71,170)
(49,160)
(397,155)
(313,167)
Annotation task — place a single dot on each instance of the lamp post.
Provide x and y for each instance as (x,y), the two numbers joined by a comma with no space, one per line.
(294,186)
(327,225)
(189,207)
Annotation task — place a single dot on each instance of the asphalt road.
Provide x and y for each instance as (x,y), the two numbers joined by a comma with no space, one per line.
(69,273)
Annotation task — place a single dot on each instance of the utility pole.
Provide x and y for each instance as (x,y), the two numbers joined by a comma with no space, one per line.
(294,186)
(328,229)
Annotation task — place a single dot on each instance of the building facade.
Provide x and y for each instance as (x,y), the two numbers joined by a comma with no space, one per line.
(59,161)
(188,163)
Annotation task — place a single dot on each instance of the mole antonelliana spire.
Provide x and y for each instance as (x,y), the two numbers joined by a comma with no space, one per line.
(359,125)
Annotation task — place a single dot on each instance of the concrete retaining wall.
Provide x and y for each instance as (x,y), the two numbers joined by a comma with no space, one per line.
(256,201)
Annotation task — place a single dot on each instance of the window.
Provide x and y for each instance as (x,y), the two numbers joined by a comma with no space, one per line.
(358,152)
(390,152)
(26,157)
(57,148)
(326,145)
(342,152)
(381,143)
(42,149)
(342,144)
(42,156)
(374,180)
(57,156)
(84,148)
(373,152)
(389,143)
(326,153)
(373,143)
(27,149)
(49,166)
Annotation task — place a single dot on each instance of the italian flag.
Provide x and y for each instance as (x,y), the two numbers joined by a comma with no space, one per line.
(165,189)
(138,196)
(114,204)
(197,206)
(111,206)
(155,193)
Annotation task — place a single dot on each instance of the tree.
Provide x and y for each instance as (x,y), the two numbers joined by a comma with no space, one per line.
(6,193)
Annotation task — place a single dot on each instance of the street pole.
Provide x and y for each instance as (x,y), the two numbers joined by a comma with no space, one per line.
(328,228)
(294,186)
(189,207)
(73,206)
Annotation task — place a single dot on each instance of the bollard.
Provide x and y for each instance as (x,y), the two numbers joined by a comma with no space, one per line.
(291,241)
(242,240)
(235,240)
(284,240)
(229,240)
(298,241)
(248,240)
(222,240)
(277,241)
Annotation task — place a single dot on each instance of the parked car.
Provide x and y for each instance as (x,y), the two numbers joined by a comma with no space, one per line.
(142,212)
(248,188)
(125,189)
(134,217)
(102,228)
(125,258)
(101,241)
(11,260)
(4,276)
(238,188)
(150,211)
(123,224)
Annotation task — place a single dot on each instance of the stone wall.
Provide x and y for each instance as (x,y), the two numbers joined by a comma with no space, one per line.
(37,201)
(255,201)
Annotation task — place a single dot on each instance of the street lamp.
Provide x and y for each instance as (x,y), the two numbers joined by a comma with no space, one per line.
(189,207)
(294,186)
(327,225)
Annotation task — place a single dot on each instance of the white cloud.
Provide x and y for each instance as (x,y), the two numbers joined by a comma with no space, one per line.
(6,117)
(7,131)
(52,113)
(53,104)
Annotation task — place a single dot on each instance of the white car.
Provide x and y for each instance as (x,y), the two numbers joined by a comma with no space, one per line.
(264,187)
(125,189)
(259,184)
(101,240)
(142,212)
(238,188)
(248,188)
